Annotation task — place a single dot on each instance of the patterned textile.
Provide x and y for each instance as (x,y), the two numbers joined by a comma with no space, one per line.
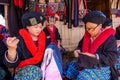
(94,74)
(117,65)
(42,8)
(28,73)
(4,33)
(2,73)
(53,7)
(72,70)
(32,6)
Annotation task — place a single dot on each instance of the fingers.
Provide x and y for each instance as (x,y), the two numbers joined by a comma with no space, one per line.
(12,40)
(76,53)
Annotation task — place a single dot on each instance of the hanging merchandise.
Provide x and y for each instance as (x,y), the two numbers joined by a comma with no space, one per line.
(76,13)
(38,6)
(51,1)
(118,13)
(52,7)
(83,10)
(32,5)
(61,9)
(69,13)
(18,3)
(4,1)
(14,16)
(41,7)
(115,8)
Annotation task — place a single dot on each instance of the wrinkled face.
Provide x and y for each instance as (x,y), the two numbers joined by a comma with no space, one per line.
(93,29)
(35,30)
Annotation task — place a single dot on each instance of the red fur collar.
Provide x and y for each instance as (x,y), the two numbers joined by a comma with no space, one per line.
(36,53)
(97,42)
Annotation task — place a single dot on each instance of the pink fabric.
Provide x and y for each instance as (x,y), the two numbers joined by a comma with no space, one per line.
(52,72)
(49,67)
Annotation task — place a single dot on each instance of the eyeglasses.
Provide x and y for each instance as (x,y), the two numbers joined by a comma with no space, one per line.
(92,29)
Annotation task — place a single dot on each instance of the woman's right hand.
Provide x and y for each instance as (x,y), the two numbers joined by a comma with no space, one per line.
(12,43)
(12,46)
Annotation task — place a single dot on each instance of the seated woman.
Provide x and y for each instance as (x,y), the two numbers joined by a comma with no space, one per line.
(96,53)
(25,52)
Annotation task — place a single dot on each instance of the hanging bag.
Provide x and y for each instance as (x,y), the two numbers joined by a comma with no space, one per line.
(114,9)
(83,10)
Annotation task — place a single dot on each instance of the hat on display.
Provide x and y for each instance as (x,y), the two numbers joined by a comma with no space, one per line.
(96,17)
(32,18)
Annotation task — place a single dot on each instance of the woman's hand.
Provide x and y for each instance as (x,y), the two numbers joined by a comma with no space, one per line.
(76,53)
(118,43)
(12,45)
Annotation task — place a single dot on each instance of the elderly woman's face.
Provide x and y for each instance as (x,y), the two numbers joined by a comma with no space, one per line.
(93,29)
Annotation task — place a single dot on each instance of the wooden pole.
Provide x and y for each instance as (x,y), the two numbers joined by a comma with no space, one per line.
(6,16)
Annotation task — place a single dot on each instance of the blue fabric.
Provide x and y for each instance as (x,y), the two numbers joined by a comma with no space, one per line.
(30,72)
(117,65)
(72,70)
(2,73)
(94,73)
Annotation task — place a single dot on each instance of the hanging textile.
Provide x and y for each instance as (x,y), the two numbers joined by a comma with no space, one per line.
(14,16)
(41,7)
(115,5)
(76,12)
(62,10)
(4,1)
(83,10)
(52,7)
(2,10)
(69,13)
